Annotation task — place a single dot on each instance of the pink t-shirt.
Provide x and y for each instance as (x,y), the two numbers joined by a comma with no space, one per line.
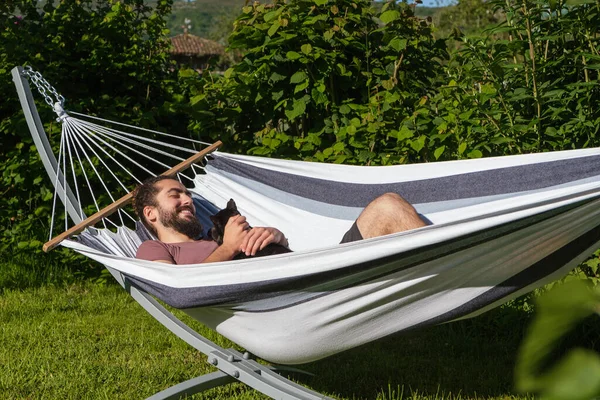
(177,253)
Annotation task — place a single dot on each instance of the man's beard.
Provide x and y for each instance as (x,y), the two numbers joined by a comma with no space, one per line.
(189,227)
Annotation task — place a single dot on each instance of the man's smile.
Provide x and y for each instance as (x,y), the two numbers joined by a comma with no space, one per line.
(186,211)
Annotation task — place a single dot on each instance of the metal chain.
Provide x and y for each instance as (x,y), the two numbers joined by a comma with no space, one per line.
(43,87)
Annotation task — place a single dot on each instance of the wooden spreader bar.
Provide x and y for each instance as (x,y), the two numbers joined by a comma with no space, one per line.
(123,201)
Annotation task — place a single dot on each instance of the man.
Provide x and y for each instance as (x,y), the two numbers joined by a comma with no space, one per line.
(166,209)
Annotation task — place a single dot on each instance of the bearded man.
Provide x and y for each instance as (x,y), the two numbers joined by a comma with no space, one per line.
(166,209)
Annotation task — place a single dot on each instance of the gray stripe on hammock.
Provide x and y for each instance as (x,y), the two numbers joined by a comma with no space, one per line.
(267,305)
(351,213)
(290,199)
(537,272)
(325,282)
(475,184)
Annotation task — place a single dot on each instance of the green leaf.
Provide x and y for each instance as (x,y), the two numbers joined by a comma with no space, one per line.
(292,55)
(475,154)
(558,312)
(301,86)
(419,143)
(339,147)
(439,151)
(298,77)
(318,97)
(398,44)
(298,108)
(345,109)
(575,377)
(388,84)
(273,29)
(306,48)
(389,16)
(277,95)
(320,2)
(196,99)
(404,133)
(488,88)
(340,159)
(187,73)
(271,15)
(40,210)
(275,77)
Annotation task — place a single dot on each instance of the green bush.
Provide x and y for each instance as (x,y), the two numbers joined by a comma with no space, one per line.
(323,80)
(104,56)
(338,81)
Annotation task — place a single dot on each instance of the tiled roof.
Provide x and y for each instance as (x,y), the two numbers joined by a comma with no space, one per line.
(190,45)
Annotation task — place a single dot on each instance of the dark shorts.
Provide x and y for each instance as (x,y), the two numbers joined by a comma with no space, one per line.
(352,235)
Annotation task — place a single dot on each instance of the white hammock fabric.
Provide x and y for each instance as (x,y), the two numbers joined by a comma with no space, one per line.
(499,228)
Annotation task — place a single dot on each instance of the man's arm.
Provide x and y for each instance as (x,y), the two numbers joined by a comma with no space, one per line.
(222,253)
(235,232)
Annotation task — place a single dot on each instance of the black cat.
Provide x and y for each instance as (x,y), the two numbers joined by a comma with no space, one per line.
(219,221)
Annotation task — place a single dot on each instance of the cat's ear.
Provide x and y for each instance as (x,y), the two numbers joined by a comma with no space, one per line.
(214,219)
(213,233)
(231,205)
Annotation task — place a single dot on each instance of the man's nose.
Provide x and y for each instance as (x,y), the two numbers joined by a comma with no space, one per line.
(186,200)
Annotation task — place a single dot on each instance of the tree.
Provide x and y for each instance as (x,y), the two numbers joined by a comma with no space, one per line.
(323,80)
(104,56)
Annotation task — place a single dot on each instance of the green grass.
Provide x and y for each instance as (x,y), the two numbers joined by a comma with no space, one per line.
(84,341)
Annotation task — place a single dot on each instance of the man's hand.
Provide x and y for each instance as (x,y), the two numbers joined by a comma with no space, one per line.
(236,230)
(258,238)
(235,233)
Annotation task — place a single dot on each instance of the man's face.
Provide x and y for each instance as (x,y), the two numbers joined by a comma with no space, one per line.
(176,209)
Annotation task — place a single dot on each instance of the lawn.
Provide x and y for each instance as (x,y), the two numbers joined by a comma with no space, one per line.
(87,341)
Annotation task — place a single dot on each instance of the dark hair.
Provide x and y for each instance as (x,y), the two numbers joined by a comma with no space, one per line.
(145,195)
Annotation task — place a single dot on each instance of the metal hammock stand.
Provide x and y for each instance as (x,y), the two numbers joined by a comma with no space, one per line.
(232,365)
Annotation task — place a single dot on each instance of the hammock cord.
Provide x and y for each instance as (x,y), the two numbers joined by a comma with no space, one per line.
(77,139)
(70,143)
(64,175)
(85,137)
(87,140)
(92,135)
(120,134)
(89,134)
(99,134)
(143,129)
(85,175)
(109,133)
(60,149)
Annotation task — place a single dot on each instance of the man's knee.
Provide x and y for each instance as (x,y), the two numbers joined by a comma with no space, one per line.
(392,202)
(388,213)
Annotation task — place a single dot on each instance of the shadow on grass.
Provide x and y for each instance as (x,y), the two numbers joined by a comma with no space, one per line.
(472,358)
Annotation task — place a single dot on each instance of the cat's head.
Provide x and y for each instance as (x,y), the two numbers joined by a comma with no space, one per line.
(220,219)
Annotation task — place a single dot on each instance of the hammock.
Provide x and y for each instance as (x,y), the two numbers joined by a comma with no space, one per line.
(499,227)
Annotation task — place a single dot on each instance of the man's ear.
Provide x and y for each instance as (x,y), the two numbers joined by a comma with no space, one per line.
(151,214)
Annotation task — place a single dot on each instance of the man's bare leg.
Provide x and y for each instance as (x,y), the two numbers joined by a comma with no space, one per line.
(388,213)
